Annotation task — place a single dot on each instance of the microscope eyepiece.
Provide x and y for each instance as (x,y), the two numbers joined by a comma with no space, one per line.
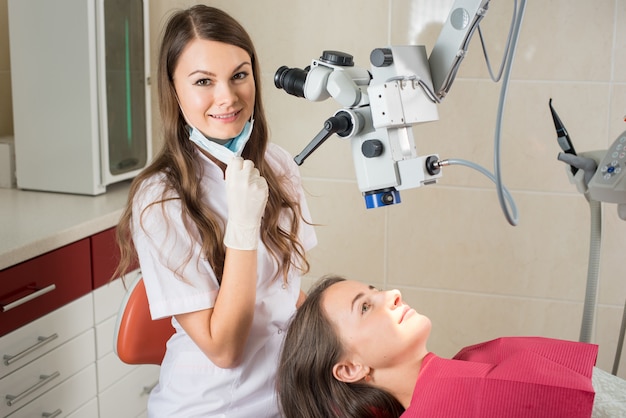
(291,80)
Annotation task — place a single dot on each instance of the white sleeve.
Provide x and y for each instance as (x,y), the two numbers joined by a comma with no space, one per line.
(174,282)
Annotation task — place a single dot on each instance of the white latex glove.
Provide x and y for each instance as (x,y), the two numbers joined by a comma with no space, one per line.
(246,194)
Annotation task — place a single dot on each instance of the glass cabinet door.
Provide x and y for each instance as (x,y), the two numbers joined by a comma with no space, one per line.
(125,85)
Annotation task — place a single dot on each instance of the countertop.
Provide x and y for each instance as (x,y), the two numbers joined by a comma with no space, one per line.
(34,223)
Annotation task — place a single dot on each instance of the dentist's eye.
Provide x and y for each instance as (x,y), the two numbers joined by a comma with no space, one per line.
(203,82)
(240,76)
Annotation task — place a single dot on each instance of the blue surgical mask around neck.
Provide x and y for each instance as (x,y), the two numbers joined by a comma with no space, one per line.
(227,151)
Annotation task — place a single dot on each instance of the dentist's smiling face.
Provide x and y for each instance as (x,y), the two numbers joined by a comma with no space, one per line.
(376,327)
(215,88)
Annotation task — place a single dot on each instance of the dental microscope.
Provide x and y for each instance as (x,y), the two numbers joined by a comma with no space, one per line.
(380,105)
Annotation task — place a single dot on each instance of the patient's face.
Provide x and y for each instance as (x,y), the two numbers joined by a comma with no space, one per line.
(376,327)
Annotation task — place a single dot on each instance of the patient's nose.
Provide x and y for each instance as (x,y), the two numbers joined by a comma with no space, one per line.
(395,298)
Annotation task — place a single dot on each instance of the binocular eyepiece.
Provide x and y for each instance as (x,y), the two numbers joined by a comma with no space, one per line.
(291,80)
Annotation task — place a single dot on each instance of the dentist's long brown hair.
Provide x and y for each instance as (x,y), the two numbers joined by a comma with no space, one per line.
(177,160)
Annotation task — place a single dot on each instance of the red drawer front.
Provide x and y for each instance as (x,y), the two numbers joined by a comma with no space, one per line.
(38,286)
(105,256)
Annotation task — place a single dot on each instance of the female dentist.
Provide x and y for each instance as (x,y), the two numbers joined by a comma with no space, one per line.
(219,225)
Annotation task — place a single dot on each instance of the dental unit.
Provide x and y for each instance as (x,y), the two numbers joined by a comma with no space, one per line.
(600,176)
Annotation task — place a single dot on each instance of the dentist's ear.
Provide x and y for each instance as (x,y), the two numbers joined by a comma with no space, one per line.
(348,372)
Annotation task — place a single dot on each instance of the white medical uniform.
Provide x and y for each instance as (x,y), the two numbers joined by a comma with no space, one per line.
(190,385)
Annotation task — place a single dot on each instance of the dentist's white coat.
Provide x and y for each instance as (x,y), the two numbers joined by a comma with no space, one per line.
(190,385)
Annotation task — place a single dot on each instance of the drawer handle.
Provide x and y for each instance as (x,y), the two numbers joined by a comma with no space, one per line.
(51,414)
(21,301)
(41,341)
(43,380)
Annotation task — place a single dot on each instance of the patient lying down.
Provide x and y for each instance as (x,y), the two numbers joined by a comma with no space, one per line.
(355,351)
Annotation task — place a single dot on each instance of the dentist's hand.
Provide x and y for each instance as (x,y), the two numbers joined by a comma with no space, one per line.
(246,194)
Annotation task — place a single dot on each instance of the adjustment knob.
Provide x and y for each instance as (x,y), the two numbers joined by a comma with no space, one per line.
(381,57)
(338,58)
(372,148)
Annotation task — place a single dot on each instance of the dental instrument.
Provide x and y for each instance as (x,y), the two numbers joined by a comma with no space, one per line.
(562,136)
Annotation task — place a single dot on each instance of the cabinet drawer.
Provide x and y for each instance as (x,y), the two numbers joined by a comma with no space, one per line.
(35,287)
(105,257)
(111,370)
(19,388)
(65,398)
(108,298)
(89,410)
(105,332)
(30,342)
(129,396)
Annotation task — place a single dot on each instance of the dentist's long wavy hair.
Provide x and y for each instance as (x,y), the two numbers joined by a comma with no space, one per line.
(306,385)
(177,159)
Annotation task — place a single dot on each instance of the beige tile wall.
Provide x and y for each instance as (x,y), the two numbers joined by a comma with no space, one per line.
(448,247)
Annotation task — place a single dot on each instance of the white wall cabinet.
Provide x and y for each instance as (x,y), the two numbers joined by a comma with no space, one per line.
(95,103)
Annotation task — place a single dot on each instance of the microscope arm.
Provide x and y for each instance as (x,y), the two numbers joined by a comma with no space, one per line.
(453,41)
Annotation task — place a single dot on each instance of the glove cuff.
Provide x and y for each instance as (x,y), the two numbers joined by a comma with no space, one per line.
(240,237)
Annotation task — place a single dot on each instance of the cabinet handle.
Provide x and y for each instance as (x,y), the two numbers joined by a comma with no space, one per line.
(51,414)
(21,301)
(41,341)
(43,380)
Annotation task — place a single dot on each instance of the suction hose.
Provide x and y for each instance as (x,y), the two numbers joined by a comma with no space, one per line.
(586,327)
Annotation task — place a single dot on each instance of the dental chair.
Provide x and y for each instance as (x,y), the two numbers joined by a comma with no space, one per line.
(138,339)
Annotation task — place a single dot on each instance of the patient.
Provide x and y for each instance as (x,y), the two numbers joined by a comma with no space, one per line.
(355,351)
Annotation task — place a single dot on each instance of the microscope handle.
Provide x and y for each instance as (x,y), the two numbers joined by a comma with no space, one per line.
(339,124)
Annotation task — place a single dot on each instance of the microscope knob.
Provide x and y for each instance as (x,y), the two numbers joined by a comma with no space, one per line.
(372,148)
(381,57)
(338,58)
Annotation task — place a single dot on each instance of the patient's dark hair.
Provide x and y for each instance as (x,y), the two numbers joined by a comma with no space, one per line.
(306,385)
